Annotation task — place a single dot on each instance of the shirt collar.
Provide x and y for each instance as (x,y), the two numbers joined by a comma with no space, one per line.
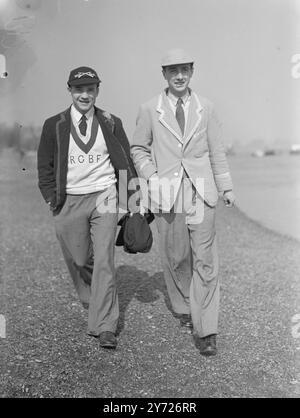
(76,115)
(174,99)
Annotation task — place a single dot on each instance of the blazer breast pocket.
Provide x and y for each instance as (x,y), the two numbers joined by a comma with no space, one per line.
(200,131)
(200,154)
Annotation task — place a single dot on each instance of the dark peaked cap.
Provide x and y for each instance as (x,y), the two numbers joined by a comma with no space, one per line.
(83,76)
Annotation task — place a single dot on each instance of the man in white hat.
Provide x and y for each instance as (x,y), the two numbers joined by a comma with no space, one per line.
(177,148)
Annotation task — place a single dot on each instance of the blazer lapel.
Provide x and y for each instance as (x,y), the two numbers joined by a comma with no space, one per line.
(194,118)
(115,149)
(119,157)
(63,128)
(106,127)
(167,117)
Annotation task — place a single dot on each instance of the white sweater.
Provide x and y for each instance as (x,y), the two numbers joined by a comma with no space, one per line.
(89,170)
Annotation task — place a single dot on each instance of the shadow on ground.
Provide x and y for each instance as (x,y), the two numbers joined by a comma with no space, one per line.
(134,283)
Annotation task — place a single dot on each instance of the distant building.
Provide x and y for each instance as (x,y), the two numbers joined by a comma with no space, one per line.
(269,152)
(258,153)
(265,153)
(295,149)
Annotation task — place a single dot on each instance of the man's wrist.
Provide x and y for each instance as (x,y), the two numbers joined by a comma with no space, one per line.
(153,176)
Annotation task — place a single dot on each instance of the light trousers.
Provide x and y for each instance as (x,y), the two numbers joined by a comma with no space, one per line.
(86,228)
(190,263)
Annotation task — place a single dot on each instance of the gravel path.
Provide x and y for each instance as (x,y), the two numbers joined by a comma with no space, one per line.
(46,352)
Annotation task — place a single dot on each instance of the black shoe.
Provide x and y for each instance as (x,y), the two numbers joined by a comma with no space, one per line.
(107,339)
(186,322)
(208,345)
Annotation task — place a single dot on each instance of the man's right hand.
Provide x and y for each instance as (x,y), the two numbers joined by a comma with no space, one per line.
(52,208)
(154,191)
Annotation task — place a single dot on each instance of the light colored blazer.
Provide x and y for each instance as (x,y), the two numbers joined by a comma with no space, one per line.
(158,146)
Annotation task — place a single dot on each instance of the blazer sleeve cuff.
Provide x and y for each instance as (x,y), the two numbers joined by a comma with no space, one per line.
(223,182)
(146,169)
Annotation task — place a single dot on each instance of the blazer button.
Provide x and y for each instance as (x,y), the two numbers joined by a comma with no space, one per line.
(179,145)
(176,174)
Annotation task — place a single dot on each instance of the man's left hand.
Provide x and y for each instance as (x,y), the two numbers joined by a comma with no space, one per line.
(229,198)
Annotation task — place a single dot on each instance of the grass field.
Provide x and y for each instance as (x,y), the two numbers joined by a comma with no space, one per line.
(46,352)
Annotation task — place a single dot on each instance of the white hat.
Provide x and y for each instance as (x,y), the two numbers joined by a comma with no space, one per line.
(176,56)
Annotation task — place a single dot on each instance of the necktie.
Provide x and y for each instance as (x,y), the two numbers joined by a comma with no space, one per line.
(180,115)
(83,125)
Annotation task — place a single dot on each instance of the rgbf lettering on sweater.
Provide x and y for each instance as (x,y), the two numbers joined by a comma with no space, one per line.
(87,159)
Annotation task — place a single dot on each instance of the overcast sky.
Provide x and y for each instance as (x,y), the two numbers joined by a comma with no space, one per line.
(242,51)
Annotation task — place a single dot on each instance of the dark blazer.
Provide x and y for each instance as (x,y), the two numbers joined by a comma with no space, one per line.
(53,156)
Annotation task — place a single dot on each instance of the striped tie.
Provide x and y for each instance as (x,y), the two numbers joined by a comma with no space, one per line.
(83,125)
(180,114)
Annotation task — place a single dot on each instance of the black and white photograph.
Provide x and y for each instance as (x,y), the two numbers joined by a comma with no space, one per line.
(150,202)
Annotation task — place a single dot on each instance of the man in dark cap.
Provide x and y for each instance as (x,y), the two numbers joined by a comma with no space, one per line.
(83,161)
(177,148)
